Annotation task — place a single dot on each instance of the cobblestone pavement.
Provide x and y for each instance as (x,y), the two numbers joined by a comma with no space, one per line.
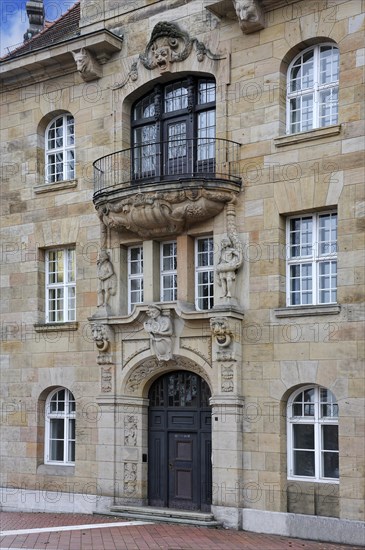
(42,531)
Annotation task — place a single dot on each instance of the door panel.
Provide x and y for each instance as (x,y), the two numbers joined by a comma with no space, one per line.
(157,483)
(184,420)
(183,469)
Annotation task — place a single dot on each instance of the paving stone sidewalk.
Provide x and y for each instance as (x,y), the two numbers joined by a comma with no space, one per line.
(151,536)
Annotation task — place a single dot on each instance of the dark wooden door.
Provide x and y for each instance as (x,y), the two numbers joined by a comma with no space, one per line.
(183,471)
(179,469)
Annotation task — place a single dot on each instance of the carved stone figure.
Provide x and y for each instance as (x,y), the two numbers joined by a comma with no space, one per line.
(159,326)
(100,336)
(107,282)
(250,15)
(230,259)
(87,66)
(221,331)
(230,255)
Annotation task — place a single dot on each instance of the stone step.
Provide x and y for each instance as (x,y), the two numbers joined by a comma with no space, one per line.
(165,515)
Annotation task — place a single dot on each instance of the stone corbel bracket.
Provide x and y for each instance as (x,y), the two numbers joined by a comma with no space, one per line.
(87,65)
(250,15)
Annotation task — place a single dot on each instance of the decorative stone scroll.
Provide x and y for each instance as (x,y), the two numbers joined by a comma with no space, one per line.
(132,75)
(159,326)
(250,15)
(168,44)
(87,65)
(230,255)
(157,214)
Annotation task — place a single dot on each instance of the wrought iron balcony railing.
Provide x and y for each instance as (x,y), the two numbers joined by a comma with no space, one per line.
(173,160)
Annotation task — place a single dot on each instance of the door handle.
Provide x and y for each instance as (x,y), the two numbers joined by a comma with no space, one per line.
(171,466)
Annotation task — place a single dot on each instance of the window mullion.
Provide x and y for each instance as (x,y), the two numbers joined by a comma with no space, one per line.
(316,86)
(315,256)
(64,141)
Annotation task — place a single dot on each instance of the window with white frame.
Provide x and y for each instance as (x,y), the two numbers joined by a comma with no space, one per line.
(60,427)
(204,273)
(135,276)
(313,450)
(60,285)
(312,89)
(168,271)
(312,259)
(60,149)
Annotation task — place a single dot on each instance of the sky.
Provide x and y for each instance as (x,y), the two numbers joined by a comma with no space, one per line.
(14,20)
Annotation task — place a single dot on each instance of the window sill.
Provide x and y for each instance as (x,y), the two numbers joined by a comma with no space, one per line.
(305,311)
(334,481)
(54,327)
(56,469)
(302,137)
(57,186)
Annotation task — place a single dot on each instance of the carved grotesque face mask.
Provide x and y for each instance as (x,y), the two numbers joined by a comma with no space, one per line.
(162,58)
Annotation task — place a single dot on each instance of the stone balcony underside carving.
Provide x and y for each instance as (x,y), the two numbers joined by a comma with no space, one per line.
(142,194)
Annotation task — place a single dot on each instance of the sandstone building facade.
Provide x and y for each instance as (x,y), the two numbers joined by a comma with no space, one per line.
(182,276)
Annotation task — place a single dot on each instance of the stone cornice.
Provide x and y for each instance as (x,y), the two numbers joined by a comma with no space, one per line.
(53,60)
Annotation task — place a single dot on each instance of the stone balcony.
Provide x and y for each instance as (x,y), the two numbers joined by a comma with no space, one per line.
(160,189)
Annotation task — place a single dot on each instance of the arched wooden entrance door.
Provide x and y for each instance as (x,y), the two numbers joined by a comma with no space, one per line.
(180,468)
